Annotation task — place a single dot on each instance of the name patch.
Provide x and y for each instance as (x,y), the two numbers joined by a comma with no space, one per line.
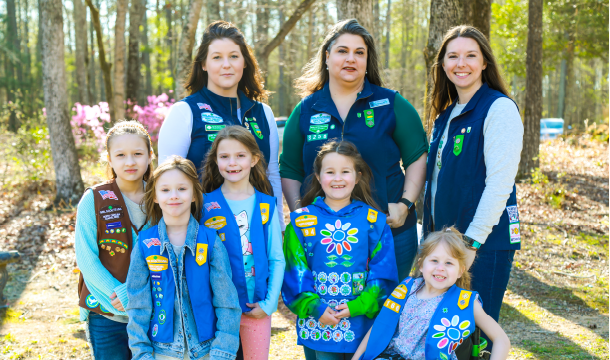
(157,263)
(211,118)
(217,222)
(109,213)
(319,119)
(378,103)
(306,220)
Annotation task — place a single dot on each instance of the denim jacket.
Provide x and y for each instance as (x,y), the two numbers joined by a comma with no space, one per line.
(226,304)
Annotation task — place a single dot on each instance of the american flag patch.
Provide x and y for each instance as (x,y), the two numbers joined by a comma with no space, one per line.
(108,195)
(204,106)
(211,205)
(151,242)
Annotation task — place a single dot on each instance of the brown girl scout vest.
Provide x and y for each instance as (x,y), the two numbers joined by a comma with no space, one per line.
(113,240)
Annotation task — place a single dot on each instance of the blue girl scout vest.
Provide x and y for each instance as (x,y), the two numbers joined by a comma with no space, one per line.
(461,179)
(451,324)
(163,284)
(370,125)
(212,113)
(338,251)
(217,215)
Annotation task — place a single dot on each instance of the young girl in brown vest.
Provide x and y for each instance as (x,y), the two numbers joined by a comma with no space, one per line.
(108,219)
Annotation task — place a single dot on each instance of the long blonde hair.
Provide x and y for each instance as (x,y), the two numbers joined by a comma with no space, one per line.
(457,249)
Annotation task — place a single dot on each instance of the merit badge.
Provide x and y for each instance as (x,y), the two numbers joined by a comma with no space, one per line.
(155,330)
(304,334)
(247,125)
(326,335)
(468,130)
(306,220)
(322,289)
(214,127)
(359,115)
(515,233)
(212,137)
(372,216)
(316,335)
(301,322)
(513,214)
(202,254)
(216,223)
(204,106)
(157,263)
(109,213)
(151,242)
(317,129)
(257,131)
(320,119)
(458,141)
(264,212)
(345,290)
(346,277)
(311,324)
(91,301)
(106,194)
(333,290)
(369,118)
(322,277)
(158,303)
(358,282)
(316,137)
(211,118)
(464,299)
(344,325)
(162,317)
(333,278)
(337,336)
(349,336)
(211,206)
(378,103)
(333,304)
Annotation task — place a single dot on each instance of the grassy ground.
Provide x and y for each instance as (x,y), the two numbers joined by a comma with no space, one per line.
(556,306)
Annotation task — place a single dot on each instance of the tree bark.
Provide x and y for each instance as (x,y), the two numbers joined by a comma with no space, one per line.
(478,14)
(119,59)
(169,39)
(136,13)
(281,34)
(533,90)
(95,18)
(213,13)
(281,86)
(361,10)
(146,61)
(13,66)
(185,49)
(262,26)
(91,76)
(388,20)
(80,34)
(65,160)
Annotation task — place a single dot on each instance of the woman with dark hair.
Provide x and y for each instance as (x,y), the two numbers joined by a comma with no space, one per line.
(343,99)
(474,155)
(225,88)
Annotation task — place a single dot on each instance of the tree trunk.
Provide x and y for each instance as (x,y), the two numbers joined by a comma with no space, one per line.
(569,113)
(95,19)
(562,89)
(213,13)
(146,61)
(262,26)
(26,36)
(65,160)
(80,34)
(136,13)
(13,65)
(282,88)
(93,99)
(119,59)
(362,10)
(478,14)
(388,20)
(533,90)
(169,39)
(185,49)
(281,34)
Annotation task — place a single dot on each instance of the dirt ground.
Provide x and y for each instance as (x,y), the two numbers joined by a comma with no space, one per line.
(556,305)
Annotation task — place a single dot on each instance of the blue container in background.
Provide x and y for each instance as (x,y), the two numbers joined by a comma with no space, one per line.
(550,128)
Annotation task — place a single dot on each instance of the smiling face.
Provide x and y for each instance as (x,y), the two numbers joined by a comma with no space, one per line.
(347,59)
(174,194)
(337,177)
(225,66)
(464,63)
(128,156)
(234,161)
(439,269)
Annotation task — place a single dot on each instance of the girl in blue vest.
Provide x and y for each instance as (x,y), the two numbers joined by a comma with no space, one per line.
(432,312)
(128,153)
(239,206)
(182,302)
(340,256)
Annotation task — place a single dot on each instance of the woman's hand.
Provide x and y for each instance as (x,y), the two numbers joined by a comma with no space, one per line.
(257,312)
(397,214)
(116,302)
(328,318)
(344,311)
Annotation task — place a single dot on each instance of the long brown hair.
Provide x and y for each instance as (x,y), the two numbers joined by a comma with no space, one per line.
(132,127)
(153,210)
(212,179)
(362,190)
(315,74)
(457,249)
(444,92)
(251,82)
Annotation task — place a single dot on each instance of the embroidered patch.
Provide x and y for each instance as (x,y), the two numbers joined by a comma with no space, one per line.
(344,325)
(309,231)
(211,206)
(458,142)
(214,127)
(265,212)
(346,278)
(222,236)
(211,118)
(109,213)
(322,277)
(156,277)
(155,330)
(464,299)
(316,335)
(110,242)
(301,210)
(306,220)
(372,216)
(515,233)
(333,290)
(212,137)
(202,254)
(316,137)
(91,301)
(107,194)
(400,292)
(337,336)
(162,317)
(369,117)
(339,237)
(333,278)
(317,129)
(326,335)
(114,225)
(151,242)
(319,119)
(378,103)
(358,282)
(345,290)
(392,306)
(322,289)
(204,106)
(304,334)
(157,263)
(217,222)
(513,213)
(257,131)
(349,336)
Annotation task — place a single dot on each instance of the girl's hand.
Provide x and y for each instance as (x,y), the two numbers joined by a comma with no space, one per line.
(257,312)
(397,214)
(344,311)
(116,302)
(328,318)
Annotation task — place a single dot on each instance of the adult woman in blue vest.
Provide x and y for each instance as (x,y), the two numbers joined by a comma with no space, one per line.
(343,99)
(473,160)
(225,88)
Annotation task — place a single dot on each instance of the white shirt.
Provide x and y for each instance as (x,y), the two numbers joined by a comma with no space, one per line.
(175,139)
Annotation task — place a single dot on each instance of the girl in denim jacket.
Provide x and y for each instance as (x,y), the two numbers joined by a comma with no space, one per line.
(182,302)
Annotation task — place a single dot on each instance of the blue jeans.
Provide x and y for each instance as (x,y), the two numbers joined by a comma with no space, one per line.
(490,274)
(405,248)
(108,338)
(311,354)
